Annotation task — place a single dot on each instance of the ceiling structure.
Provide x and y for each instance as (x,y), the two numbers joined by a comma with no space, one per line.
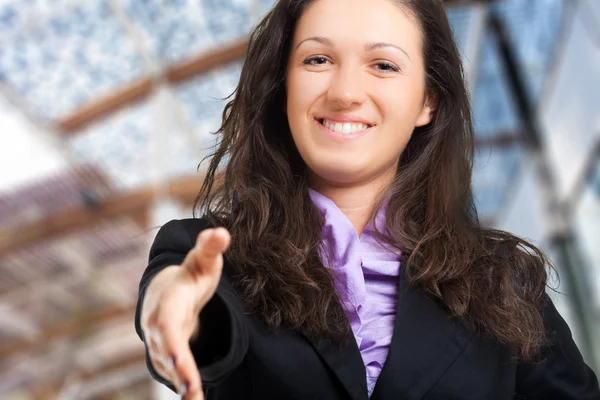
(124,94)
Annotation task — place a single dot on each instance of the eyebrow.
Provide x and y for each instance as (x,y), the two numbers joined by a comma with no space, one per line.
(318,39)
(368,46)
(379,45)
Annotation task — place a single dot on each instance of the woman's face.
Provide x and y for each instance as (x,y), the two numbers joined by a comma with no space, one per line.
(355,86)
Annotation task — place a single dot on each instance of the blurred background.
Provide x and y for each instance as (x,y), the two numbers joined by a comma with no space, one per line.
(106,109)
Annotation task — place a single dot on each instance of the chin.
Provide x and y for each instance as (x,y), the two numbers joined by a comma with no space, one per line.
(338,173)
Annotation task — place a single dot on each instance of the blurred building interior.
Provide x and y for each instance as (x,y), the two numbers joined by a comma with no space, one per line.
(107,108)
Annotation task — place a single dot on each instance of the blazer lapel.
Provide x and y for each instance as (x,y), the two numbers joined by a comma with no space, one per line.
(424,344)
(345,362)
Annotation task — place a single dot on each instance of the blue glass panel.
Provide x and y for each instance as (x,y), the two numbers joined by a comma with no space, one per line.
(493,114)
(120,145)
(58,58)
(460,18)
(202,96)
(493,176)
(534,28)
(493,106)
(177,29)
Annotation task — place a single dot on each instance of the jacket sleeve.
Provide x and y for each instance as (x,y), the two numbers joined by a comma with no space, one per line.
(223,340)
(561,372)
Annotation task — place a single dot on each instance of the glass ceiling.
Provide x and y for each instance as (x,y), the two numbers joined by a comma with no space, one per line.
(58,55)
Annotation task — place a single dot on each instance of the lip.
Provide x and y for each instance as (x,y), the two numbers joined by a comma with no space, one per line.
(342,137)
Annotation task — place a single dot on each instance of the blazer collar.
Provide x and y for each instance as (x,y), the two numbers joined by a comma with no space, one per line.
(424,345)
(346,363)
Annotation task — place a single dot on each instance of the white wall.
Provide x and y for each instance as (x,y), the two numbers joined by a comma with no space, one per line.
(26,152)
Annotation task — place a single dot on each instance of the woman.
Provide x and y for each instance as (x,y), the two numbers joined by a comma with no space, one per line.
(355,264)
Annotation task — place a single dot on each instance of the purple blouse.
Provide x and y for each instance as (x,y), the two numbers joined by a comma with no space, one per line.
(366,275)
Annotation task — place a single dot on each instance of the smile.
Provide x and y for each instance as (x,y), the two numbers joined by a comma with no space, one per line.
(344,127)
(343,130)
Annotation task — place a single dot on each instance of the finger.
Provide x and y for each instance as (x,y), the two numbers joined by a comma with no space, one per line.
(178,381)
(162,367)
(184,370)
(190,261)
(167,317)
(187,370)
(153,343)
(163,360)
(184,364)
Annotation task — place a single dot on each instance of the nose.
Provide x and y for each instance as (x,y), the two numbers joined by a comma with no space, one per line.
(346,88)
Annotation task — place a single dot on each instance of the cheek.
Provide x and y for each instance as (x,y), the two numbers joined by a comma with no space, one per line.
(303,89)
(400,105)
(401,98)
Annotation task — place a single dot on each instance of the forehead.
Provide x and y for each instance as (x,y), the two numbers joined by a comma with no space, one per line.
(359,21)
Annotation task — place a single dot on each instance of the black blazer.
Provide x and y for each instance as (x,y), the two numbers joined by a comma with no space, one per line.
(431,356)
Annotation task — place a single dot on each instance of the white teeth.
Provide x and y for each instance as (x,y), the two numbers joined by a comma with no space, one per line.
(345,128)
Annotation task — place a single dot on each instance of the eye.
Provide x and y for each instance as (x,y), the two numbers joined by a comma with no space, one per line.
(316,60)
(387,67)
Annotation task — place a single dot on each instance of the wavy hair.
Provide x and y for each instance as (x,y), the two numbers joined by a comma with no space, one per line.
(492,279)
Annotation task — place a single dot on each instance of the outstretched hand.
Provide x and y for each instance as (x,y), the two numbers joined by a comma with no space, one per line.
(172,304)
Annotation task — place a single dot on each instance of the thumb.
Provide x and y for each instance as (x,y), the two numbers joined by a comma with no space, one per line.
(205,259)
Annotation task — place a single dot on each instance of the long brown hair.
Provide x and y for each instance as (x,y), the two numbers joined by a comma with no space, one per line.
(490,278)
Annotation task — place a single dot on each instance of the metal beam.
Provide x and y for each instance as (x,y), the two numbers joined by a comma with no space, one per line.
(100,108)
(67,221)
(74,122)
(134,204)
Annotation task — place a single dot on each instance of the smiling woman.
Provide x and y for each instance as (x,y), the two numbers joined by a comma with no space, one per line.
(345,76)
(342,257)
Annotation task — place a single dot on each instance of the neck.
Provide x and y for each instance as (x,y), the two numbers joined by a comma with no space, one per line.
(355,201)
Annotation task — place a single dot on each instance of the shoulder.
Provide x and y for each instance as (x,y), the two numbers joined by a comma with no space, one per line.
(178,235)
(560,369)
